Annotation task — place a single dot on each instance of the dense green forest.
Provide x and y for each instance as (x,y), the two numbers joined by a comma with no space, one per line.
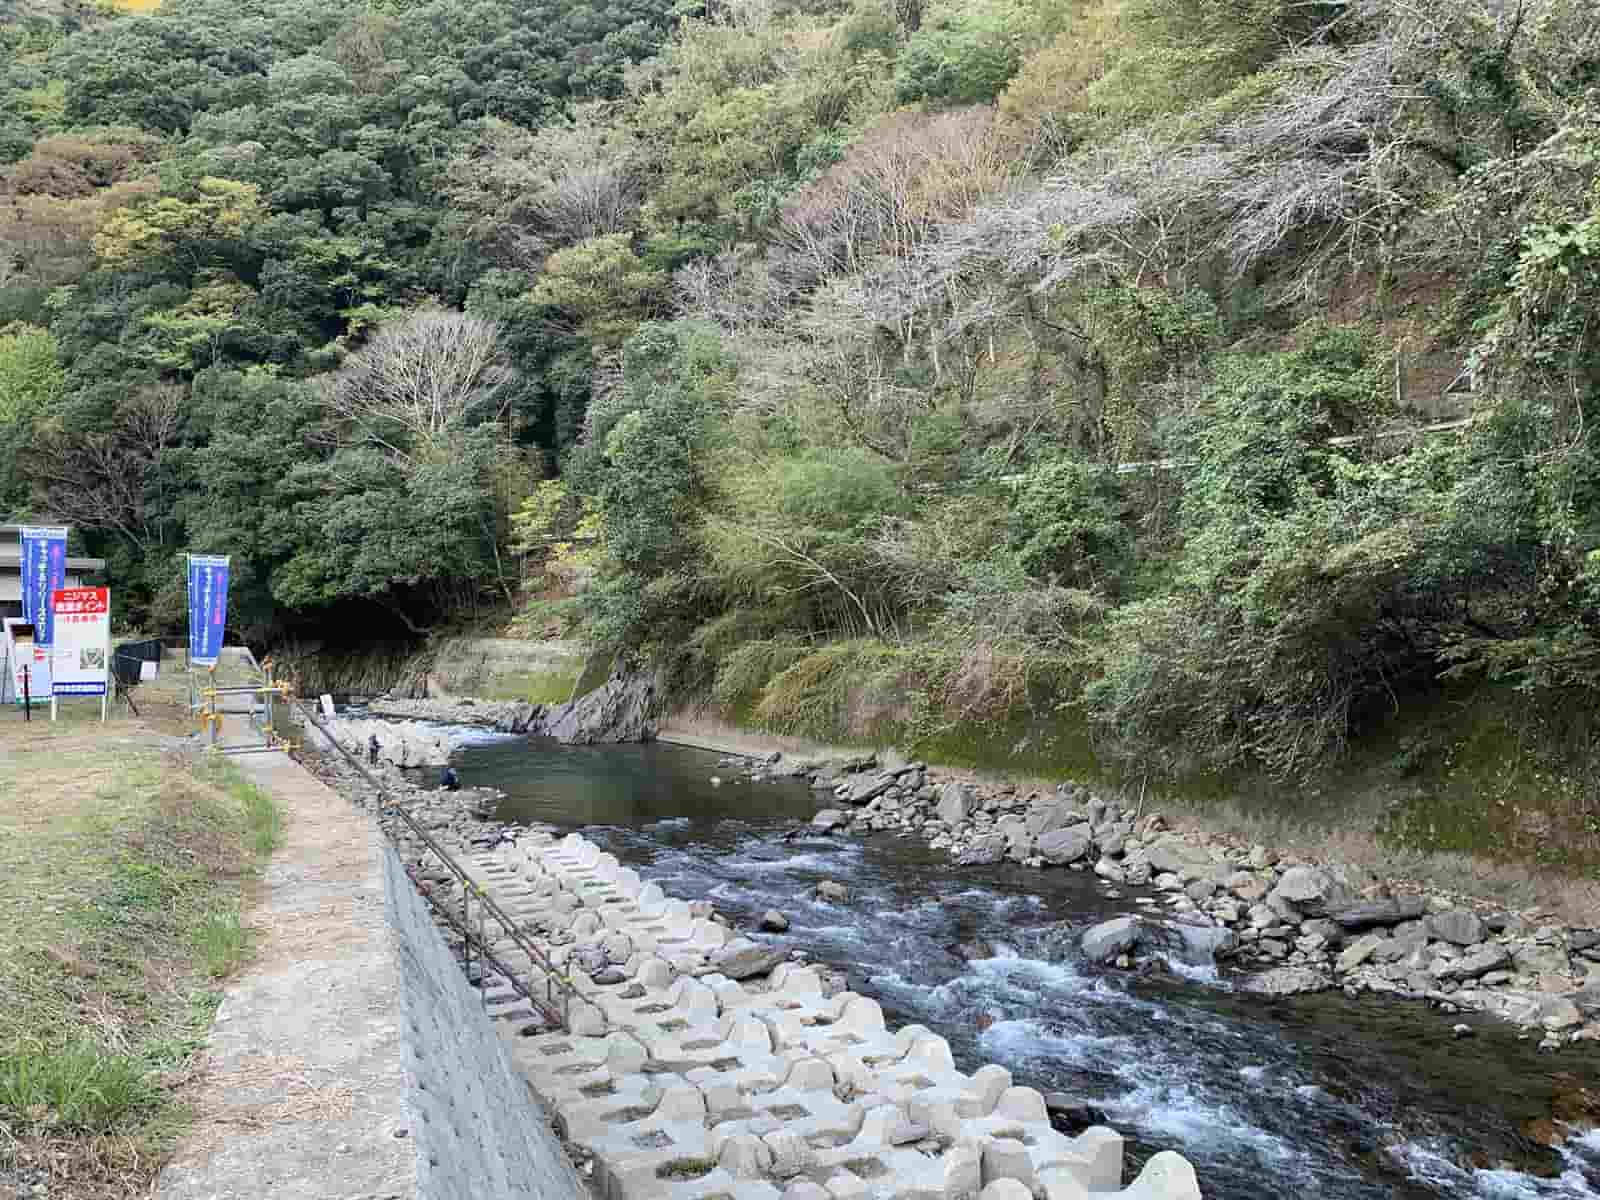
(1219,368)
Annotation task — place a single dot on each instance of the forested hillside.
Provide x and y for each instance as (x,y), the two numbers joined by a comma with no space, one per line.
(923,362)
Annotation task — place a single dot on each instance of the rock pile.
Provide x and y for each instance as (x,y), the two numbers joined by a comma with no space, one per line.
(404,744)
(1303,926)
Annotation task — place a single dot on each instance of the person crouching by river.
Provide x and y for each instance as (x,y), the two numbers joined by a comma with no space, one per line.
(448,780)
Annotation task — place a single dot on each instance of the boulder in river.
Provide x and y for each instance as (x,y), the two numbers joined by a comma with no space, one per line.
(743,959)
(983,851)
(972,951)
(1288,981)
(1202,945)
(1060,846)
(828,820)
(1109,939)
(773,921)
(832,891)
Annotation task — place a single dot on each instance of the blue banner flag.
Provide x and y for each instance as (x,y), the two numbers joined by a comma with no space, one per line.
(208,607)
(44,571)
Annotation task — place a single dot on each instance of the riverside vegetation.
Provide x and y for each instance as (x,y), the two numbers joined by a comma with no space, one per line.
(121,875)
(1185,394)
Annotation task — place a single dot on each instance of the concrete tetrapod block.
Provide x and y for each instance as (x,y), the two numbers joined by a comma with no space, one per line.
(1167,1176)
(1005,1189)
(1007,1158)
(794,980)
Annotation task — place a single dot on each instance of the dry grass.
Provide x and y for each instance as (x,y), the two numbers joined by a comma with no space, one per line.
(287,1091)
(117,856)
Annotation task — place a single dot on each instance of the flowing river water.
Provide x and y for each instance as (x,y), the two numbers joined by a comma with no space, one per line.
(1319,1096)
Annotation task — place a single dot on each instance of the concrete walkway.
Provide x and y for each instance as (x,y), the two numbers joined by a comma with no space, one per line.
(303,1091)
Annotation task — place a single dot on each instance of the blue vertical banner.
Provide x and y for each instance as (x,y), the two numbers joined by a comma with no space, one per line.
(44,571)
(208,607)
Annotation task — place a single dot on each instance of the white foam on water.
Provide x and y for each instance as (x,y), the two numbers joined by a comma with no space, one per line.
(1023,1040)
(670,823)
(1252,1074)
(1429,1164)
(1167,1103)
(1205,973)
(794,862)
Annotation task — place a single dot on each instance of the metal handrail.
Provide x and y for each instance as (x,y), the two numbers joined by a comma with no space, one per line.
(554,980)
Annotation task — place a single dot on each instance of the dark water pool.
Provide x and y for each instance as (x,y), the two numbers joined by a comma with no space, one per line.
(1316,1097)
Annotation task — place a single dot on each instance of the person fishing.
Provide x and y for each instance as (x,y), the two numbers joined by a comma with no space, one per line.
(449,780)
(372,750)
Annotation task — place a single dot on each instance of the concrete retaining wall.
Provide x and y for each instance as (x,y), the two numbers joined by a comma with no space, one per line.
(540,672)
(479,1132)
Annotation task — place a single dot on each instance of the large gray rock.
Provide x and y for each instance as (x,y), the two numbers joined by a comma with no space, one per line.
(1288,981)
(1478,962)
(1588,999)
(828,820)
(866,788)
(1019,842)
(743,959)
(1056,815)
(620,710)
(1178,857)
(832,891)
(1204,944)
(1103,942)
(1458,926)
(1380,912)
(983,851)
(1061,846)
(1303,888)
(1358,951)
(955,803)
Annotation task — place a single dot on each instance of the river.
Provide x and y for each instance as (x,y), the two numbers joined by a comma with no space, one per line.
(1315,1097)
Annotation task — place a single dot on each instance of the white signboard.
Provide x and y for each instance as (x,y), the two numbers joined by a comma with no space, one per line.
(21,652)
(82,650)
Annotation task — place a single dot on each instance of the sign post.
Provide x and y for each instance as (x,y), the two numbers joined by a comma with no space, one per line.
(208,607)
(81,658)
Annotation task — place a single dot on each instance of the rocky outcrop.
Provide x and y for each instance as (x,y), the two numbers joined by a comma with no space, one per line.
(623,709)
(1106,941)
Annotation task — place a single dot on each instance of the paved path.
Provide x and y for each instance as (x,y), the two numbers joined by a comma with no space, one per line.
(302,1092)
(687,1085)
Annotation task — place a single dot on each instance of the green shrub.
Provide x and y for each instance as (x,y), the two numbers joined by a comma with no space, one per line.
(967,58)
(1066,524)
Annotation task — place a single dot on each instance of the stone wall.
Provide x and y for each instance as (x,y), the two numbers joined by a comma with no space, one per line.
(540,672)
(480,1133)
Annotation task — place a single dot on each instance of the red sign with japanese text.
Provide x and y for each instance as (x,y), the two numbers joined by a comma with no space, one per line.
(82,652)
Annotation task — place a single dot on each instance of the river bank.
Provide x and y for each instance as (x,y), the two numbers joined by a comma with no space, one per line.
(1291,921)
(1300,923)
(1368,1098)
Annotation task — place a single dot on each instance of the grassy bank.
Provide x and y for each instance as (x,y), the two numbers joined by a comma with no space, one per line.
(123,873)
